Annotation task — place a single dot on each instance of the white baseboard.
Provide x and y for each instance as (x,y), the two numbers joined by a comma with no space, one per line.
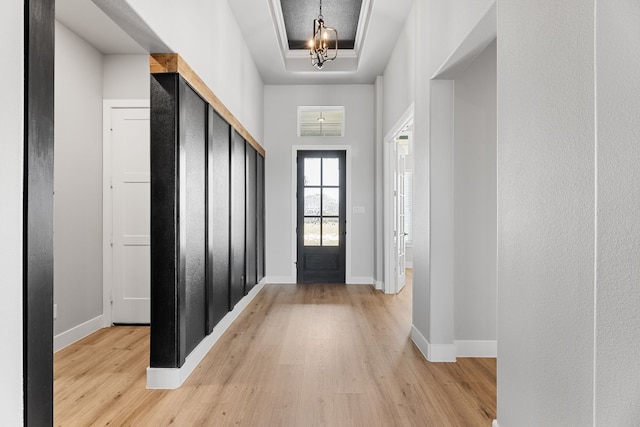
(66,338)
(280,280)
(476,348)
(433,352)
(408,264)
(360,280)
(379,285)
(495,423)
(172,378)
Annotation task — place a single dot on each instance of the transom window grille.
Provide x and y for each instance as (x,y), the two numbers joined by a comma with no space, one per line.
(321,201)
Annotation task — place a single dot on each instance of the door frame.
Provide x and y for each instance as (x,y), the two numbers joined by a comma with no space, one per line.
(108,105)
(389,168)
(294,211)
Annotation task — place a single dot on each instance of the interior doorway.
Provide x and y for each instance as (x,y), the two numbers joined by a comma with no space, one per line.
(398,205)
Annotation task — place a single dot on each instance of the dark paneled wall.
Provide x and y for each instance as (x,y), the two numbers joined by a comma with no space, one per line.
(207,184)
(167,298)
(38,213)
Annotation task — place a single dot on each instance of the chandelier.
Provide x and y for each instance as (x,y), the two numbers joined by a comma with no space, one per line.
(323,46)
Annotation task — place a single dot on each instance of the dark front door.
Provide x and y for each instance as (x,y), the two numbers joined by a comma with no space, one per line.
(321,208)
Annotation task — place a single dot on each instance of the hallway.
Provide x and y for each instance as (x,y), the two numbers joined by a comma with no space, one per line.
(299,355)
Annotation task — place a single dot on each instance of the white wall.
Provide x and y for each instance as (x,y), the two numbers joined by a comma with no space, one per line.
(77,181)
(207,36)
(281,103)
(11,169)
(617,379)
(399,76)
(546,205)
(126,77)
(475,188)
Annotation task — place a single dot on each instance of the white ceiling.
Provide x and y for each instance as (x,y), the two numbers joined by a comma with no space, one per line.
(260,22)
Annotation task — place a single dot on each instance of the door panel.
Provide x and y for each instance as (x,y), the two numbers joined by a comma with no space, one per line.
(131,215)
(321,223)
(219,211)
(193,115)
(251,212)
(238,161)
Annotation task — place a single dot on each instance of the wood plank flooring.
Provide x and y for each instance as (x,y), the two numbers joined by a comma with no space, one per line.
(300,355)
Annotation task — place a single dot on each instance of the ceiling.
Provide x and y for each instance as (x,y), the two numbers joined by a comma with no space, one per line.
(262,23)
(298,16)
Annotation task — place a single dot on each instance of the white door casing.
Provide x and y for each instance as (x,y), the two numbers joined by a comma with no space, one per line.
(127,212)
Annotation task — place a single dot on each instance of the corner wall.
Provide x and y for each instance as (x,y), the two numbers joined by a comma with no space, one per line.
(618,214)
(475,188)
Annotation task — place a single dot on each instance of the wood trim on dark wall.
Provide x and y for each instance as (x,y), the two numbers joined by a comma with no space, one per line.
(38,212)
(160,63)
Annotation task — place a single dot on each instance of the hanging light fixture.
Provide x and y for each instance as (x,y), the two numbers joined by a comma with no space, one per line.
(322,47)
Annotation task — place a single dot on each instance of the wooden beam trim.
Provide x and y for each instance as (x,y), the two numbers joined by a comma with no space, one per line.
(160,63)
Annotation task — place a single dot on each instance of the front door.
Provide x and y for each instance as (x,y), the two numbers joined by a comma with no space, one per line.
(321,208)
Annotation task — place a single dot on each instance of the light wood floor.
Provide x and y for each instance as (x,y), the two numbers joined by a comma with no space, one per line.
(303,356)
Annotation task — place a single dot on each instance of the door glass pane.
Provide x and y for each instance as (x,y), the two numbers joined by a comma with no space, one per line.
(330,201)
(311,202)
(330,232)
(312,171)
(330,172)
(312,231)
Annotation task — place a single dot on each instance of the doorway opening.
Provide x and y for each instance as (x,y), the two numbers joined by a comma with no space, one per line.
(398,205)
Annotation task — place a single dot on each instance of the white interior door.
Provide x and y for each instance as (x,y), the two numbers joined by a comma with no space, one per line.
(400,217)
(130,195)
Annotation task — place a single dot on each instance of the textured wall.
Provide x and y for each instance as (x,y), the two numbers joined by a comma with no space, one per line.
(546,224)
(617,378)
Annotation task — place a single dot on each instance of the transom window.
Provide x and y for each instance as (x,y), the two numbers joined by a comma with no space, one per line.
(320,121)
